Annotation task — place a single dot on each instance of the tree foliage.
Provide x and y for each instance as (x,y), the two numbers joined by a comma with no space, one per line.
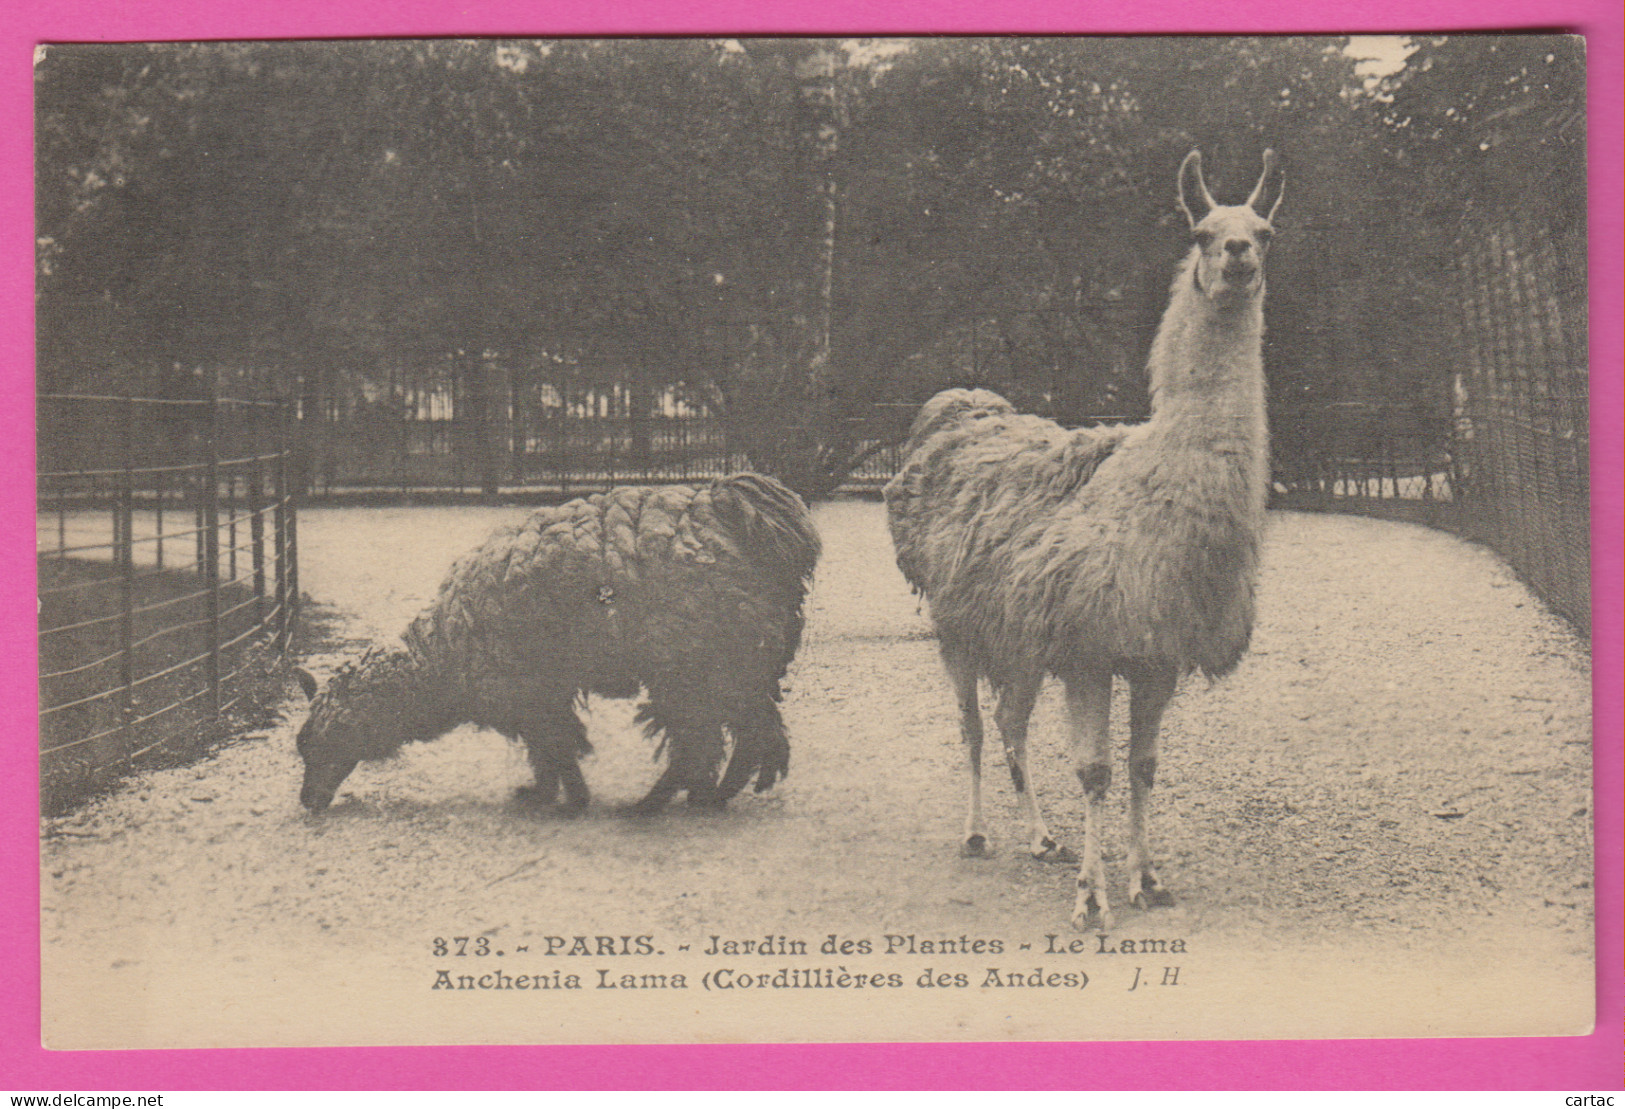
(1473,130)
(806,235)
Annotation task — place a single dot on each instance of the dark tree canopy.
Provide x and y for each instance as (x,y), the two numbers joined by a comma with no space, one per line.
(807,236)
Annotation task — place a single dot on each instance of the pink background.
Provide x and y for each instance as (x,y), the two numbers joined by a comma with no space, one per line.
(1577,1064)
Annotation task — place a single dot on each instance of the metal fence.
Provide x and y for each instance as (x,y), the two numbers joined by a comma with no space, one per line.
(166,544)
(490,430)
(1525,445)
(1506,464)
(1510,464)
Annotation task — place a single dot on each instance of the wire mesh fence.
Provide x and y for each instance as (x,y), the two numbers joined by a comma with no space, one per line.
(166,542)
(1525,444)
(1509,464)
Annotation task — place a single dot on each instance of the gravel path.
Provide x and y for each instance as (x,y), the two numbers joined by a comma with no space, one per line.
(1379,825)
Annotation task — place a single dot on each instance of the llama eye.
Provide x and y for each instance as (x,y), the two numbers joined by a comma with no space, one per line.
(1265,236)
(1204,239)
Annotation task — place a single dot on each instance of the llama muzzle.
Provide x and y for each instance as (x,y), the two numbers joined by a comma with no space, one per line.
(322,781)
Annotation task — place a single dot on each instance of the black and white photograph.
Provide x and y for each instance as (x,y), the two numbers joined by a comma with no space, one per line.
(774,540)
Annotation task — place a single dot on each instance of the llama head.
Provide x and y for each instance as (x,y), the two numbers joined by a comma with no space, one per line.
(1231,239)
(363,713)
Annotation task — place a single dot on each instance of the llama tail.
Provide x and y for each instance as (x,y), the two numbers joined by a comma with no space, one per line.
(771,523)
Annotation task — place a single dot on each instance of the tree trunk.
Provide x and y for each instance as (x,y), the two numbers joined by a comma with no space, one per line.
(820,141)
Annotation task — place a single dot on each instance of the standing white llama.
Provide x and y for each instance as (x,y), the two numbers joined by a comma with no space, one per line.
(1101,551)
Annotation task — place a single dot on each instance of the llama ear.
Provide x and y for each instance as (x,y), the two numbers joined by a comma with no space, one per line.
(1271,187)
(307,682)
(1193,195)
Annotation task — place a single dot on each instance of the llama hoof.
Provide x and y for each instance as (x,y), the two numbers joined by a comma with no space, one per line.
(1048,851)
(1092,920)
(1152,897)
(974,847)
(706,802)
(1090,913)
(530,799)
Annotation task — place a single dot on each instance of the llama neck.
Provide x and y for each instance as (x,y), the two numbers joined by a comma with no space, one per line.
(1207,365)
(401,695)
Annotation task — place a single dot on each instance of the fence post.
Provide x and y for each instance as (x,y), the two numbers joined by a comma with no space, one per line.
(403,445)
(201,556)
(517,434)
(160,479)
(562,451)
(211,540)
(256,509)
(232,506)
(291,525)
(486,419)
(124,553)
(279,521)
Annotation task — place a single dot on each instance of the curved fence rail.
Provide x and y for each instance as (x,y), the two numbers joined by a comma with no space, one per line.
(166,541)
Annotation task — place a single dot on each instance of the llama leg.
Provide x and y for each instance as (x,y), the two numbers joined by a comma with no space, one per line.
(774,744)
(962,672)
(760,747)
(1015,709)
(1150,693)
(1089,705)
(743,761)
(554,742)
(575,785)
(697,755)
(693,743)
(654,720)
(666,786)
(553,768)
(544,787)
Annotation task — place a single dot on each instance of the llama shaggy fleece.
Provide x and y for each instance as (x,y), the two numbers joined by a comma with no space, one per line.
(1042,548)
(693,594)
